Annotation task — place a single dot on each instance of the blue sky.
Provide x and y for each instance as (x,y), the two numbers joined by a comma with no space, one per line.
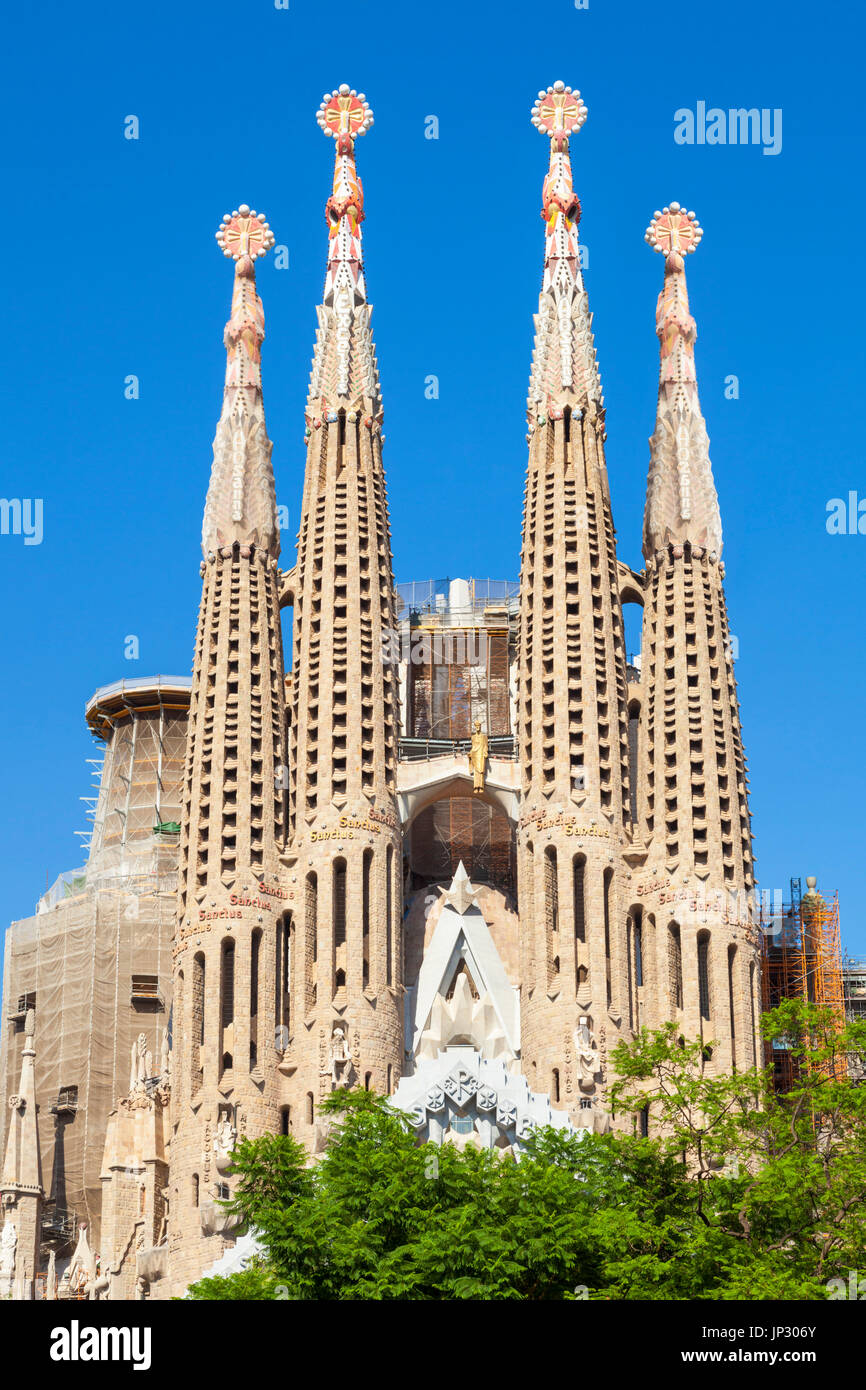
(111,269)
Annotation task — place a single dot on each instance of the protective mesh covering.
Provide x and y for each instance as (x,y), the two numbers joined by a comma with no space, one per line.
(98,958)
(462,827)
(458,677)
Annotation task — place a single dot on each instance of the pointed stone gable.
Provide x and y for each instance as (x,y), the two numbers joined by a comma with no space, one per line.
(461,936)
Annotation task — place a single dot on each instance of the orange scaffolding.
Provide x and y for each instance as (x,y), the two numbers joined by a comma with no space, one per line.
(802,959)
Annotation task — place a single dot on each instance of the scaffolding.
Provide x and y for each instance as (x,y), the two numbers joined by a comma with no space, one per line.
(854,985)
(443,598)
(462,827)
(802,959)
(95,959)
(458,678)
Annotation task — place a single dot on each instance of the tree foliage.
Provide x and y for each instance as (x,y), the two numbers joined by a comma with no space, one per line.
(740,1193)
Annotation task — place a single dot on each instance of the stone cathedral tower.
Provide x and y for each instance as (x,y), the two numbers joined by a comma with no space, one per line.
(224,1082)
(350,831)
(693,791)
(342,950)
(573,731)
(634,841)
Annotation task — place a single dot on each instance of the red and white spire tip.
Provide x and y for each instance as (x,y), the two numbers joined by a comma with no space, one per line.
(559,112)
(244,235)
(674,232)
(344,114)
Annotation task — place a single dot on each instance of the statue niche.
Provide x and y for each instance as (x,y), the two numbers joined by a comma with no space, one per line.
(586,1054)
(340,1060)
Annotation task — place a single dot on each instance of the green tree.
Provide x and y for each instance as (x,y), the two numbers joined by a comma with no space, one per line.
(776,1181)
(256,1283)
(740,1193)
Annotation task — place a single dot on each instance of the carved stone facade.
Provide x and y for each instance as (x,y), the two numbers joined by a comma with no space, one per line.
(234,798)
(634,842)
(342,860)
(135,1178)
(21,1189)
(574,817)
(693,812)
(327,931)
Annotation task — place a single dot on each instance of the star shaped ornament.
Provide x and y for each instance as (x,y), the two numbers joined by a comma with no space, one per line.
(461,895)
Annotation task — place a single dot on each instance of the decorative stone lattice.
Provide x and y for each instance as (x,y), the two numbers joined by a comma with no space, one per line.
(573,703)
(344,842)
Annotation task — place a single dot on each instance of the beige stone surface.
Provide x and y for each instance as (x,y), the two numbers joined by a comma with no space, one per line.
(299,921)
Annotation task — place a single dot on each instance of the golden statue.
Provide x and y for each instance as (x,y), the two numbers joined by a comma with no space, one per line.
(478,758)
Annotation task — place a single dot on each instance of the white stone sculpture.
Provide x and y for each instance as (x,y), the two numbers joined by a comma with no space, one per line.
(224,1142)
(8,1242)
(586,1054)
(141,1068)
(341,1058)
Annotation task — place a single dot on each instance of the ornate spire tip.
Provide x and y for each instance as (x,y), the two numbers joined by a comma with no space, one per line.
(244,235)
(559,112)
(673,231)
(344,114)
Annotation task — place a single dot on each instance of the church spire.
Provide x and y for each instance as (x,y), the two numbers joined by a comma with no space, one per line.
(233,818)
(344,374)
(345,846)
(564,367)
(21,1183)
(573,700)
(241,502)
(681,496)
(692,792)
(22,1170)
